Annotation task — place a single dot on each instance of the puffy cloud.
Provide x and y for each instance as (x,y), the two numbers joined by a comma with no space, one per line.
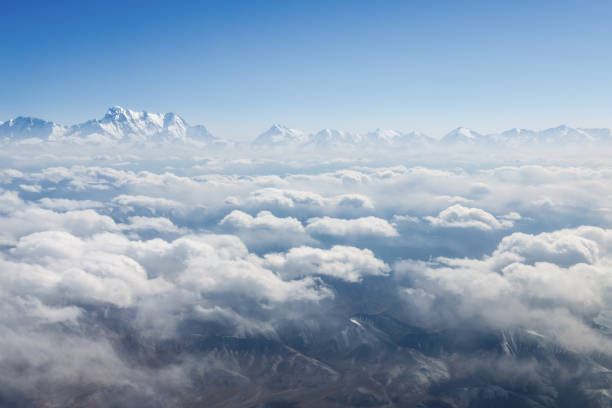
(291,199)
(156,277)
(10,202)
(458,216)
(265,231)
(563,248)
(240,276)
(285,198)
(218,264)
(75,269)
(551,283)
(263,220)
(354,200)
(8,175)
(31,188)
(65,204)
(33,219)
(350,177)
(514,216)
(67,303)
(151,203)
(342,262)
(159,224)
(364,226)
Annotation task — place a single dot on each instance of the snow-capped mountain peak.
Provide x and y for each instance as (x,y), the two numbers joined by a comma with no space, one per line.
(381,136)
(461,135)
(118,124)
(279,135)
(565,134)
(332,137)
(465,132)
(22,127)
(116,113)
(515,132)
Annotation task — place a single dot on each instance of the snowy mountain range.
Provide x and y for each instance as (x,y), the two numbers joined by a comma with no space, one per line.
(281,136)
(117,125)
(124,125)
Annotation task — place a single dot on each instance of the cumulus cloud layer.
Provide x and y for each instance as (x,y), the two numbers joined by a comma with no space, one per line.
(551,283)
(121,271)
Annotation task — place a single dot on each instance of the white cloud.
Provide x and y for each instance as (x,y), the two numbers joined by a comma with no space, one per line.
(565,247)
(31,188)
(285,198)
(552,283)
(354,200)
(151,203)
(64,204)
(52,277)
(75,270)
(159,224)
(10,202)
(263,220)
(458,216)
(343,262)
(289,199)
(265,230)
(365,226)
(35,219)
(86,249)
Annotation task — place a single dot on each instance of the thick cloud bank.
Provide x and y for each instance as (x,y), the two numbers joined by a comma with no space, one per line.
(160,271)
(554,284)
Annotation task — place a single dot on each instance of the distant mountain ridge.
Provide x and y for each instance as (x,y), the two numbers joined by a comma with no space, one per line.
(124,125)
(118,124)
(281,136)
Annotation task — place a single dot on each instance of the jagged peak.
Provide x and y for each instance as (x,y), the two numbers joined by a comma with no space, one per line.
(23,120)
(279,134)
(560,127)
(280,128)
(117,112)
(383,131)
(171,118)
(331,132)
(116,109)
(462,132)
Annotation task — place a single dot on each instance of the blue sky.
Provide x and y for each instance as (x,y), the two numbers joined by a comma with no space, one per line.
(238,67)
